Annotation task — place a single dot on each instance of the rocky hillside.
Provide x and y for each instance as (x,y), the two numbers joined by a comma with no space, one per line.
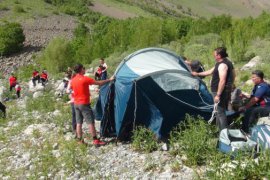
(38,33)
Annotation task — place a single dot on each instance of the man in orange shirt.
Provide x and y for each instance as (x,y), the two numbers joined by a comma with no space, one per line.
(80,86)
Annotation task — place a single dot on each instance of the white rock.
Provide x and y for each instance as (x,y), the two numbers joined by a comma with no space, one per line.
(252,63)
(37,94)
(56,113)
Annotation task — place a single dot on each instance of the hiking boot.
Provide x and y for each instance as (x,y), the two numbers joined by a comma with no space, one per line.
(98,142)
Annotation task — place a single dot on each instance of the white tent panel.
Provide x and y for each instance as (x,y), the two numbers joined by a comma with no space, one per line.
(152,61)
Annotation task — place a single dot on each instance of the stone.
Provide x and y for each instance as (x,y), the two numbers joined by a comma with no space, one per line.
(252,63)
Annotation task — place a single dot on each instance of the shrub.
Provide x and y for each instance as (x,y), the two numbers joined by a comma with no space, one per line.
(194,139)
(57,56)
(200,52)
(11,38)
(144,140)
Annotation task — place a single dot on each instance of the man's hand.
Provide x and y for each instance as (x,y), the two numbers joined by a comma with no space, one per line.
(194,73)
(242,109)
(216,99)
(112,78)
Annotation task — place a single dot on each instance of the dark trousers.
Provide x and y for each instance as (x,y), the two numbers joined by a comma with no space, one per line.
(3,109)
(43,81)
(18,94)
(34,79)
(252,114)
(11,87)
(73,117)
(221,119)
(104,75)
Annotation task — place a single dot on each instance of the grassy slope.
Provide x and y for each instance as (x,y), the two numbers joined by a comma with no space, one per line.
(204,8)
(125,7)
(32,8)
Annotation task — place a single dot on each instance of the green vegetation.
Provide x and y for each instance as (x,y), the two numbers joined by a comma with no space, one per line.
(11,38)
(45,103)
(22,10)
(144,140)
(202,137)
(57,56)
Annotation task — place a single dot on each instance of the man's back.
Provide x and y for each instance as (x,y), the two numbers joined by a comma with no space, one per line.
(80,86)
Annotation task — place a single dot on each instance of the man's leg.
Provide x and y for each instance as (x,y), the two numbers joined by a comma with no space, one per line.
(245,122)
(256,113)
(79,121)
(221,118)
(34,81)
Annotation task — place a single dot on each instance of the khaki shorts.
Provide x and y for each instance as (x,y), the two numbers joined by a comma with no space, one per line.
(83,111)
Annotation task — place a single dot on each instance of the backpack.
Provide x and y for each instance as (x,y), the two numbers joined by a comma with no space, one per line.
(261,135)
(233,140)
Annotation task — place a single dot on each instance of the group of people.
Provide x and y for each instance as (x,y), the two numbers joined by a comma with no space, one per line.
(43,77)
(222,84)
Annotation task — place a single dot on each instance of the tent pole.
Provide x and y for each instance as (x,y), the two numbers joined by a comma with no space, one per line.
(135,109)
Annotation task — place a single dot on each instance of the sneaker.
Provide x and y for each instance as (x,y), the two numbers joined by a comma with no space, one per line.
(98,143)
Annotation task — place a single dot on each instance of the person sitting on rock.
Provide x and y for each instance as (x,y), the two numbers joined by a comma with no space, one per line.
(18,90)
(44,77)
(12,81)
(35,77)
(259,102)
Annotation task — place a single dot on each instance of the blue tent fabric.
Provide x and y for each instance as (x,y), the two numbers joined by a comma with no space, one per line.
(153,88)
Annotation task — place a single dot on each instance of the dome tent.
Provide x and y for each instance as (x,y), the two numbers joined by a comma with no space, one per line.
(154,88)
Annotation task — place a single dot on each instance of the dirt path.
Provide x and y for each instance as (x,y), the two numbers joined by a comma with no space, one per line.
(111,11)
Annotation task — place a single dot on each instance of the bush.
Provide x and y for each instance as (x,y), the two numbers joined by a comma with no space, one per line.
(57,56)
(194,139)
(11,38)
(144,140)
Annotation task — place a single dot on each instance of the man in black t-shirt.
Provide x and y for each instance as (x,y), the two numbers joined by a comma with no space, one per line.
(221,84)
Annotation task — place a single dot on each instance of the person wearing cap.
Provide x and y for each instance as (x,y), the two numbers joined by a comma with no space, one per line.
(18,90)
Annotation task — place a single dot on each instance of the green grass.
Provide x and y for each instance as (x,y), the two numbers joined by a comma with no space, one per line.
(126,8)
(25,9)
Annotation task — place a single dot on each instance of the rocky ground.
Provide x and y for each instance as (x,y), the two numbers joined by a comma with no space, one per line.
(31,138)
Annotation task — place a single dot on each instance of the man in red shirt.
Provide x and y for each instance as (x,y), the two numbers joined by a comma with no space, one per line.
(35,77)
(12,81)
(44,77)
(80,86)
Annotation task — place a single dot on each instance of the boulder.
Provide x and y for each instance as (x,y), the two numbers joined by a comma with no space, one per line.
(252,63)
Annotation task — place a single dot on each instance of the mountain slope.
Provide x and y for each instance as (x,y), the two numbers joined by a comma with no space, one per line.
(202,8)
